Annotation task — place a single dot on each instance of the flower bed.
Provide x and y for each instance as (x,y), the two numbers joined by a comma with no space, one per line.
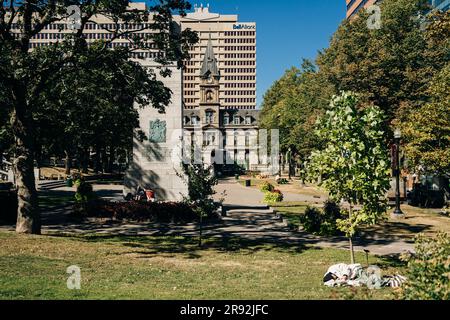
(164,212)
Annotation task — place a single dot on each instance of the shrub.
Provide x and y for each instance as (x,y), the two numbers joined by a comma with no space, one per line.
(322,222)
(164,212)
(282,181)
(429,269)
(273,197)
(85,197)
(267,187)
(312,219)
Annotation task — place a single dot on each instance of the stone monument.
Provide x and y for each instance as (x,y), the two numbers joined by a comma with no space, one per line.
(157,162)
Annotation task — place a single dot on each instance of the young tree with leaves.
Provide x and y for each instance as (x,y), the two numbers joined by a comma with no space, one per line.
(201,182)
(24,73)
(353,163)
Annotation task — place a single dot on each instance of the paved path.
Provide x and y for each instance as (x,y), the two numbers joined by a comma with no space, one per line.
(246,218)
(237,194)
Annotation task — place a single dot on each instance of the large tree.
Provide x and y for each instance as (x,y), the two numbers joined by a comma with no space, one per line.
(389,66)
(293,104)
(24,73)
(427,129)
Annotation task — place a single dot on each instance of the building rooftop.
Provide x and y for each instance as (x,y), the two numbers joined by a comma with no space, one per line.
(203,14)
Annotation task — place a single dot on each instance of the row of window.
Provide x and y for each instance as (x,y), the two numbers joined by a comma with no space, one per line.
(201,49)
(97,36)
(240,40)
(240,100)
(240,93)
(239,33)
(240,70)
(93,26)
(240,56)
(240,48)
(227,120)
(240,85)
(227,56)
(240,78)
(226,70)
(240,63)
(226,63)
(227,78)
(226,85)
(192,107)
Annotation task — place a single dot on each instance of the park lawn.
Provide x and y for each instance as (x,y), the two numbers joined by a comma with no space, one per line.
(294,186)
(291,212)
(49,200)
(34,267)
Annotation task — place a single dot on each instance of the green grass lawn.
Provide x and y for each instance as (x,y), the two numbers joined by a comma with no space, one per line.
(34,267)
(49,200)
(291,211)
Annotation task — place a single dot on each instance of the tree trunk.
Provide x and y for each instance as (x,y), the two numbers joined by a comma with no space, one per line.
(85,161)
(111,159)
(104,161)
(28,217)
(200,238)
(68,163)
(352,251)
(97,161)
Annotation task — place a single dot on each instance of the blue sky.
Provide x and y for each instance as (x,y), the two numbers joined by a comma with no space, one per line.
(288,30)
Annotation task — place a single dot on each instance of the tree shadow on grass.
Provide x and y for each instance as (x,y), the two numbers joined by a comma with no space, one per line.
(171,246)
(394,230)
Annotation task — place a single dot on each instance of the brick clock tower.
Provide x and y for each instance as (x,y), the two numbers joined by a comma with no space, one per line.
(209,89)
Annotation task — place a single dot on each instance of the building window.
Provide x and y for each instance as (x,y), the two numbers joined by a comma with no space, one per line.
(226,120)
(248,120)
(247,139)
(209,138)
(209,117)
(194,121)
(237,120)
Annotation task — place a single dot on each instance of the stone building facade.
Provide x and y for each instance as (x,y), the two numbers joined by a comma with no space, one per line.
(224,137)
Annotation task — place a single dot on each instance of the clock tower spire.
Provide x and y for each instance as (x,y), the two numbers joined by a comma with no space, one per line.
(210,87)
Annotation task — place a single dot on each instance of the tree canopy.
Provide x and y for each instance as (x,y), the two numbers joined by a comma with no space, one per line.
(63,81)
(391,67)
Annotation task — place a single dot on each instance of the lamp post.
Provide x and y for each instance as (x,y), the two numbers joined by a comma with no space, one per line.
(398,214)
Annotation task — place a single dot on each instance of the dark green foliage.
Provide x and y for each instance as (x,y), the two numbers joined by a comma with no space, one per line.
(201,183)
(272,197)
(85,197)
(293,104)
(283,181)
(66,98)
(322,222)
(429,269)
(267,187)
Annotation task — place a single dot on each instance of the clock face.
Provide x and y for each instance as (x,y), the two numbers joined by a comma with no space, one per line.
(210,80)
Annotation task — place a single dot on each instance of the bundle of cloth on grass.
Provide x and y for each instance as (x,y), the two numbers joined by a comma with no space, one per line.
(354,275)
